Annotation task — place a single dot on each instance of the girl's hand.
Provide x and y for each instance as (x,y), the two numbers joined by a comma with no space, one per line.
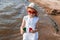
(22,32)
(33,31)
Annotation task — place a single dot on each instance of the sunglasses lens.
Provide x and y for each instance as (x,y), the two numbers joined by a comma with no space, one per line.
(31,11)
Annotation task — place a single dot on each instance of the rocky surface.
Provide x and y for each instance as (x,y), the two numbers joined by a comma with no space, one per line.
(11,14)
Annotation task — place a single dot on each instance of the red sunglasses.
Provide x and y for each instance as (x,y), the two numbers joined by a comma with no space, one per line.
(32,12)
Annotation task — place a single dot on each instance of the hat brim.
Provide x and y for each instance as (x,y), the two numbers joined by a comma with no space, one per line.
(31,8)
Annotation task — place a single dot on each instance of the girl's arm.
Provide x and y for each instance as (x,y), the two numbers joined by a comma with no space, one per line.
(37,26)
(22,26)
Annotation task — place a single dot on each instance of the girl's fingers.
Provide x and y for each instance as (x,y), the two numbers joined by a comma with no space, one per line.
(32,31)
(22,32)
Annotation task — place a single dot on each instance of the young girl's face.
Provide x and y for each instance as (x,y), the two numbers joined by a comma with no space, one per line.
(31,12)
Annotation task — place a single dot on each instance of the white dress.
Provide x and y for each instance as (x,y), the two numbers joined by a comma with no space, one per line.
(30,22)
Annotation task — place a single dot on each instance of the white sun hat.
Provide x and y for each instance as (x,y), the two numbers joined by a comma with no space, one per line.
(34,6)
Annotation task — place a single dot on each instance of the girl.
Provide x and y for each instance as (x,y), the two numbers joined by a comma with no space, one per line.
(30,23)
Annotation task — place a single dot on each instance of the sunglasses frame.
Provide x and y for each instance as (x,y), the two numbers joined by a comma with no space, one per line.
(32,12)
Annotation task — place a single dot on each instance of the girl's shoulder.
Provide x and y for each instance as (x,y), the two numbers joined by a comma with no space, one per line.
(37,18)
(25,17)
